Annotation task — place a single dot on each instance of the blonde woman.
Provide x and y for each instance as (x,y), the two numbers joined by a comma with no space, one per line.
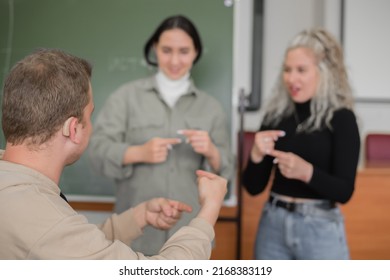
(309,137)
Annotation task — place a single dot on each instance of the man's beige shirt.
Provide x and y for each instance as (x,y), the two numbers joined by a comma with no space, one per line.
(36,223)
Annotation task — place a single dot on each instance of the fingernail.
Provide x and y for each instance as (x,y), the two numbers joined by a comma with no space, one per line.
(275,161)
(169,146)
(179,132)
(282,133)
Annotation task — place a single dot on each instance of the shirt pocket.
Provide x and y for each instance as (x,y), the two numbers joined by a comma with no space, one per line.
(199,123)
(142,130)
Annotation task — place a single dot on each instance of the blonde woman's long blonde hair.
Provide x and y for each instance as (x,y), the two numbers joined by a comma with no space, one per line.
(333,91)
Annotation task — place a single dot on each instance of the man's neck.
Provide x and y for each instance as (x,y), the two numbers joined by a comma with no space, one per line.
(41,160)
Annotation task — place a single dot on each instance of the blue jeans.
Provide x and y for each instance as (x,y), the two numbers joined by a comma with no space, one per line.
(307,233)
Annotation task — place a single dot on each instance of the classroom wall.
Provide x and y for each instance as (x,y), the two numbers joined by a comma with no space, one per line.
(282,20)
(367,45)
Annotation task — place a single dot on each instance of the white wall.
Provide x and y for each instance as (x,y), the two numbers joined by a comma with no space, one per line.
(283,19)
(367,47)
(367,54)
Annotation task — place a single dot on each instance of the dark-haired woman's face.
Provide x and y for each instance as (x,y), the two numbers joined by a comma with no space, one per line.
(175,53)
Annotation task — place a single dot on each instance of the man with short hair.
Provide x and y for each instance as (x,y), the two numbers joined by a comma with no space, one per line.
(46,119)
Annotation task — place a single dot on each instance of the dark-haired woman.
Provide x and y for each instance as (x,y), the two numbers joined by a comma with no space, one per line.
(152,134)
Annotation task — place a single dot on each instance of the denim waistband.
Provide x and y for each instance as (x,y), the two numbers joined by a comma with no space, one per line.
(301,206)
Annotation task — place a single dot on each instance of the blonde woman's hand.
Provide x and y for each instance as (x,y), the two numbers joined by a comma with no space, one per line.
(264,144)
(293,166)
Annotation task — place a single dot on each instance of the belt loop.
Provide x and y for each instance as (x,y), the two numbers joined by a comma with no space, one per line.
(272,199)
(305,209)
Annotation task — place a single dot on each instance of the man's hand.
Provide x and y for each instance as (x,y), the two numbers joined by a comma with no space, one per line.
(160,213)
(212,190)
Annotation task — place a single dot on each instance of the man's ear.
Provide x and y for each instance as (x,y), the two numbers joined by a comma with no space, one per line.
(69,127)
(66,127)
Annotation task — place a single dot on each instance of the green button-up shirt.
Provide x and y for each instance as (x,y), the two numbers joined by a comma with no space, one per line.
(136,113)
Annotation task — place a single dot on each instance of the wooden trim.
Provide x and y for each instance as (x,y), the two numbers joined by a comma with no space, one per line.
(92,206)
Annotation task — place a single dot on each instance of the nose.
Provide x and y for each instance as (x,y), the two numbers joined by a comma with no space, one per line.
(175,59)
(290,77)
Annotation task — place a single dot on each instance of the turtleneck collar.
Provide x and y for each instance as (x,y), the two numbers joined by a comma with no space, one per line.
(303,109)
(172,90)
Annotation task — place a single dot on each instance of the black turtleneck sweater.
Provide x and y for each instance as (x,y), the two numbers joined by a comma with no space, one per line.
(334,155)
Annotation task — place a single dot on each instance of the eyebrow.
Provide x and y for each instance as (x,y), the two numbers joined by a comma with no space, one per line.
(181,48)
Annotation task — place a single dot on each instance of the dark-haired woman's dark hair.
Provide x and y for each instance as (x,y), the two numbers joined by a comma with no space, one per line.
(173,22)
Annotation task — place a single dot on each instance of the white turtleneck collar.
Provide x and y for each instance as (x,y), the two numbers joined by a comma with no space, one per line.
(172,90)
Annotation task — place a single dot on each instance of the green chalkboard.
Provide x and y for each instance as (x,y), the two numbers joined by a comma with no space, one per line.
(111,34)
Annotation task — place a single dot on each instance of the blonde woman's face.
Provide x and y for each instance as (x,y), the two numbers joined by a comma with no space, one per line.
(301,75)
(175,53)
